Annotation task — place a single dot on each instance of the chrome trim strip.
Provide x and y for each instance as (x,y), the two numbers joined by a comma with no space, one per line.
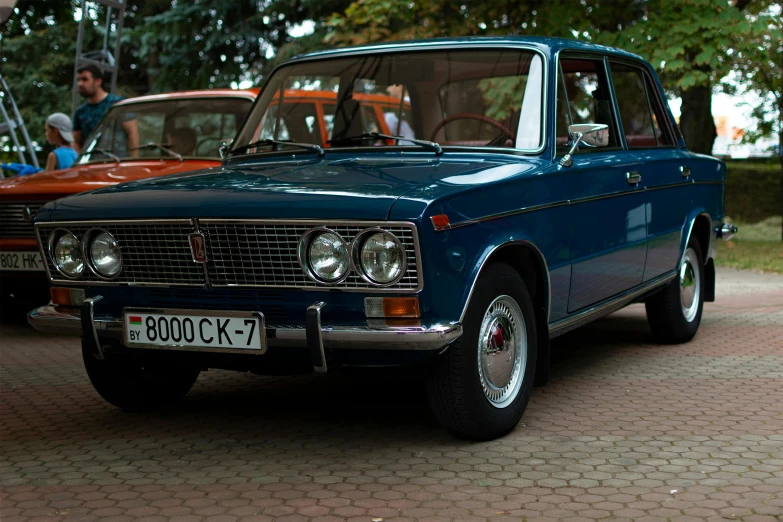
(66,320)
(489,255)
(500,215)
(566,202)
(87,222)
(63,320)
(606,307)
(185,312)
(688,240)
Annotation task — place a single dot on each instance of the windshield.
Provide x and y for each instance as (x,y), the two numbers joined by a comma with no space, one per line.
(464,98)
(191,128)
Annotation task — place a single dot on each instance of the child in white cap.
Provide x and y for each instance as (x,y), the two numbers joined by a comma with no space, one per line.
(60,132)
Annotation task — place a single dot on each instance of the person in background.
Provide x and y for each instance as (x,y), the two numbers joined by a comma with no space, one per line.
(89,80)
(59,133)
(182,141)
(396,126)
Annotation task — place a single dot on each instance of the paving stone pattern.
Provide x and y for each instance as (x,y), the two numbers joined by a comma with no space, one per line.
(625,430)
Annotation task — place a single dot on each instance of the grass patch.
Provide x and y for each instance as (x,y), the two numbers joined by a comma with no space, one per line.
(756,246)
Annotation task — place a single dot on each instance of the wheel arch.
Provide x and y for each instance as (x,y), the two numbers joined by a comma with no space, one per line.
(698,226)
(529,262)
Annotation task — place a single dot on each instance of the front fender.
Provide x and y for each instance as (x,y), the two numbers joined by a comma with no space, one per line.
(453,259)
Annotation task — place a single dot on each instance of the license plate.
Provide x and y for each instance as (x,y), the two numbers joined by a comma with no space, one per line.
(195,330)
(22,261)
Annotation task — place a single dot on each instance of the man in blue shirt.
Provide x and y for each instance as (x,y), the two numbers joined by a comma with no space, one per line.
(89,80)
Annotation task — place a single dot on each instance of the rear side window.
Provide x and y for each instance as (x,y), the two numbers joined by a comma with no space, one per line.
(583,97)
(640,111)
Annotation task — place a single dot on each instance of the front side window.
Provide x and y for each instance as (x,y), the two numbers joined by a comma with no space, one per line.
(459,98)
(192,128)
(640,112)
(583,96)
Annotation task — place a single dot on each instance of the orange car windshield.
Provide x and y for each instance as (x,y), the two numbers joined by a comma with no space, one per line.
(458,98)
(189,127)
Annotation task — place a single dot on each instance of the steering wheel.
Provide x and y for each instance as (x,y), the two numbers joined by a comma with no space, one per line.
(473,116)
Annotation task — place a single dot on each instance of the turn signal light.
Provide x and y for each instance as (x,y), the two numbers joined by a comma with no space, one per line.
(391,307)
(66,296)
(440,222)
(400,307)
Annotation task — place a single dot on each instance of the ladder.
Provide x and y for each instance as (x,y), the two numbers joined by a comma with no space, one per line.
(105,59)
(10,123)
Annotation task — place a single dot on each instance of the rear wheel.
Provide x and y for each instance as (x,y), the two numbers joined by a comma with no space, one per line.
(674,313)
(480,387)
(139,384)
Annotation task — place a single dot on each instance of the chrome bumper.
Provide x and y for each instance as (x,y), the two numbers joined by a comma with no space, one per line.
(68,320)
(726,231)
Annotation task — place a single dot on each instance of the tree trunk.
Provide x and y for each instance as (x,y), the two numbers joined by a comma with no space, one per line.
(780,157)
(696,123)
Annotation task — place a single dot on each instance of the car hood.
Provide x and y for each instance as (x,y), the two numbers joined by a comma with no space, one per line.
(353,188)
(55,184)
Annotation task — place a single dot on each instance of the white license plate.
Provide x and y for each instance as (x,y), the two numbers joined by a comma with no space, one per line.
(22,261)
(195,330)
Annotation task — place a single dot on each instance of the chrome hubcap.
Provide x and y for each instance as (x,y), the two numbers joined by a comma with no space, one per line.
(502,351)
(690,286)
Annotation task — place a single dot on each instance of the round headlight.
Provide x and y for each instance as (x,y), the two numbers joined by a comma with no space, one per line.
(67,255)
(328,257)
(382,258)
(105,255)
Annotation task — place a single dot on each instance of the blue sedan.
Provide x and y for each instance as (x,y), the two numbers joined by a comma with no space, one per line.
(523,187)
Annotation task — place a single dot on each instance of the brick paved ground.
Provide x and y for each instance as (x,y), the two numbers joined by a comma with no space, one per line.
(625,429)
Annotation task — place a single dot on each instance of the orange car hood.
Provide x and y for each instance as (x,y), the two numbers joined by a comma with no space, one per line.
(59,183)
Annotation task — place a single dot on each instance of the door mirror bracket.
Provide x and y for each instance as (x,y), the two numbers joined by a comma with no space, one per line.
(589,135)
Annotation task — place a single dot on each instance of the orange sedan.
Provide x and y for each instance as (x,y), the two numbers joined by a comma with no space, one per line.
(178,132)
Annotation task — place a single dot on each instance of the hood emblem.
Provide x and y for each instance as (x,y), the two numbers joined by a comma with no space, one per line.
(28,214)
(198,247)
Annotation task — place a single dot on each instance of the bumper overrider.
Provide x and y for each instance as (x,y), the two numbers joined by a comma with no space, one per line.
(83,321)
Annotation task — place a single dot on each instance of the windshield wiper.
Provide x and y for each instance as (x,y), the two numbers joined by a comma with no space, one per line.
(106,153)
(268,141)
(377,135)
(152,144)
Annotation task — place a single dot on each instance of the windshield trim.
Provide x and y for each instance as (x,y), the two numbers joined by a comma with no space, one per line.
(140,99)
(430,47)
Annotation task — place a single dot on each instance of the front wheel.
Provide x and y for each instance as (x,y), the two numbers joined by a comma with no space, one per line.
(674,313)
(135,384)
(480,387)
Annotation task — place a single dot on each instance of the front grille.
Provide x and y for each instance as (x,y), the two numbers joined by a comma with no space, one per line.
(239,253)
(249,254)
(152,252)
(12,219)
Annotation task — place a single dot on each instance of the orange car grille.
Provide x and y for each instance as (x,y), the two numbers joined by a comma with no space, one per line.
(13,223)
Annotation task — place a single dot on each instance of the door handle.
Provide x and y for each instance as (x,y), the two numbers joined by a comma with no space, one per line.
(633,178)
(685,171)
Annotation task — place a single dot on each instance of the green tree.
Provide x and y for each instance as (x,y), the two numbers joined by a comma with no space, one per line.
(759,67)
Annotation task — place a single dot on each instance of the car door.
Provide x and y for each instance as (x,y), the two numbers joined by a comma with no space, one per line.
(666,176)
(608,228)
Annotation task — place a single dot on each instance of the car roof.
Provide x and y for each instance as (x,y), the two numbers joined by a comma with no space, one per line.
(547,44)
(249,94)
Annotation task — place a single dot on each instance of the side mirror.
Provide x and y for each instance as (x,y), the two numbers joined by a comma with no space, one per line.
(223,149)
(588,134)
(6,10)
